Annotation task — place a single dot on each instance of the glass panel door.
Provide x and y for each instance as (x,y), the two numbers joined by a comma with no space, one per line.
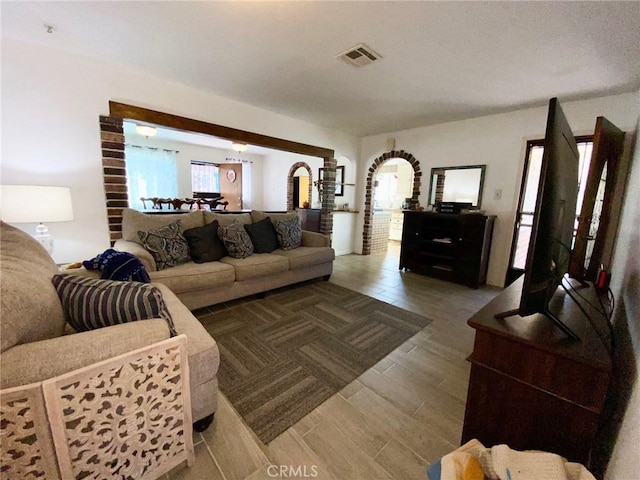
(529,195)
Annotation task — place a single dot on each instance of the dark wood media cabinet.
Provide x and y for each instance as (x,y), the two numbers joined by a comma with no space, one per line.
(530,386)
(447,246)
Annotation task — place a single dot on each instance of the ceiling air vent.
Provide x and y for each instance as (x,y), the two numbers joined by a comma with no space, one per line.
(360,55)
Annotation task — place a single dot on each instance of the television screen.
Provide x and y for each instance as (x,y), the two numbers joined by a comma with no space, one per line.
(553,222)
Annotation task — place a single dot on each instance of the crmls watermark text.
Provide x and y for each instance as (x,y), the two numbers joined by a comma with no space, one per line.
(286,471)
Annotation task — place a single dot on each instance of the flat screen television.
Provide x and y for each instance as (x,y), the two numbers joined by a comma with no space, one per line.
(553,221)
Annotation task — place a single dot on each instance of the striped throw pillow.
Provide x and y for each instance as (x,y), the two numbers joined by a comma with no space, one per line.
(90,303)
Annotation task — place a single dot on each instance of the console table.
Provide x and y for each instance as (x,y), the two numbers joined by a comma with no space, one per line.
(530,386)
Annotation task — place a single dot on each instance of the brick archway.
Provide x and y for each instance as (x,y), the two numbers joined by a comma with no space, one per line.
(293,170)
(368,196)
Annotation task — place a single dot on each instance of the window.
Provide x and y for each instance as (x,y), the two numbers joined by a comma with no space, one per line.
(151,172)
(529,195)
(205,177)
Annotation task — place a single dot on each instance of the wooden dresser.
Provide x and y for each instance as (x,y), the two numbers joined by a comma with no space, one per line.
(530,386)
(448,246)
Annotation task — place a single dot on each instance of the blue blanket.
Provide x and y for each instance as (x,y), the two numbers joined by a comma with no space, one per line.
(114,265)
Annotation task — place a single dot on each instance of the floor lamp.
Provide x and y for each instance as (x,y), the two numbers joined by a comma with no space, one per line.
(36,204)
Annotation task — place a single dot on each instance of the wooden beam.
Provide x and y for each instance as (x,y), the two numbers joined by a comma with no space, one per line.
(131,112)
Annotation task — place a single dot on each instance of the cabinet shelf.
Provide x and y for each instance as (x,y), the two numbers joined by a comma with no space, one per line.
(437,256)
(464,259)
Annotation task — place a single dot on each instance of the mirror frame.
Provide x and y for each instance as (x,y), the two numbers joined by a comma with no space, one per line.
(482,168)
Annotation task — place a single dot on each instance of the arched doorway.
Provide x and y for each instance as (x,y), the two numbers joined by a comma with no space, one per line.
(290,184)
(369,191)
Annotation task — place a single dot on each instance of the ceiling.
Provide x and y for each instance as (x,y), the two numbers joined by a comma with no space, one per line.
(442,61)
(181,136)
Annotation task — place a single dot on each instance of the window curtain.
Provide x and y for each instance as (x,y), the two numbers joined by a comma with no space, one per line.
(150,173)
(205,177)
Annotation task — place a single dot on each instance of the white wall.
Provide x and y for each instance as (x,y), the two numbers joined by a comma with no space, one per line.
(350,178)
(342,238)
(499,141)
(51,102)
(625,284)
(276,168)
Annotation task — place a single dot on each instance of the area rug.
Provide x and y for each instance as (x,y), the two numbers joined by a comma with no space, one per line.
(283,355)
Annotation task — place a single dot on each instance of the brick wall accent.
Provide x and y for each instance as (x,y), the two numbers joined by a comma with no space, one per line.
(328,195)
(114,173)
(293,170)
(367,230)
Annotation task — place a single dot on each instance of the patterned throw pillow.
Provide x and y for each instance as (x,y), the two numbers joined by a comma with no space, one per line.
(236,240)
(90,303)
(289,233)
(167,245)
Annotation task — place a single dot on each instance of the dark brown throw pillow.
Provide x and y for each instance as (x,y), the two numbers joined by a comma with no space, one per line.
(204,243)
(263,236)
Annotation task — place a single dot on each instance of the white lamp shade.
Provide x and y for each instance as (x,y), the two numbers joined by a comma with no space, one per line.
(32,204)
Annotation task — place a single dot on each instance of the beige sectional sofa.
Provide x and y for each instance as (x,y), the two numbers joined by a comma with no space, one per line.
(37,344)
(203,284)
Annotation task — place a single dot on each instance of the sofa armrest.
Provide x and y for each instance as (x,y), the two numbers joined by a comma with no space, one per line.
(137,250)
(313,239)
(33,362)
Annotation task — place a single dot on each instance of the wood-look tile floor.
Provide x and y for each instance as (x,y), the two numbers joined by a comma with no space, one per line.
(392,422)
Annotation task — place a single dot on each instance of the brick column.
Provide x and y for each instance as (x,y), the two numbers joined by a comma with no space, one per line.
(114,173)
(328,195)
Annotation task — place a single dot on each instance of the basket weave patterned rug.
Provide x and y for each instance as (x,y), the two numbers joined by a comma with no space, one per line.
(283,355)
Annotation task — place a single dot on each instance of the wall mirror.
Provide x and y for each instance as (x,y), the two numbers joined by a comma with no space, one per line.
(457,184)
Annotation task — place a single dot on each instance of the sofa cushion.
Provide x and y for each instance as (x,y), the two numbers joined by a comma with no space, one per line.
(236,240)
(167,245)
(28,301)
(257,215)
(307,256)
(91,303)
(263,236)
(226,219)
(258,265)
(134,221)
(195,276)
(289,233)
(204,243)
